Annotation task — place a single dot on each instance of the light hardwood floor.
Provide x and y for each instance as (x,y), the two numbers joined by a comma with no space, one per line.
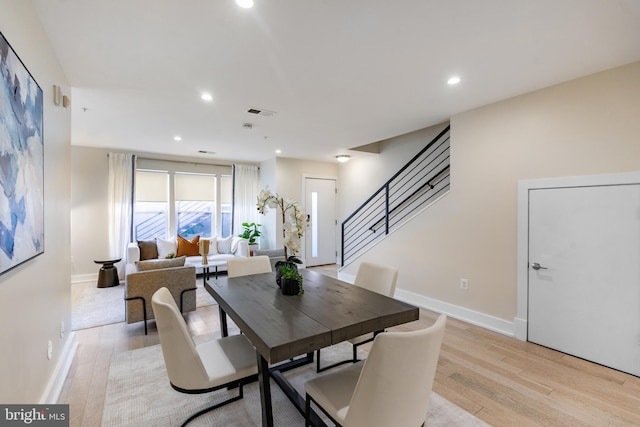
(501,380)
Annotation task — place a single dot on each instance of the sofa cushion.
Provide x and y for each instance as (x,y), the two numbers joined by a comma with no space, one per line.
(148,249)
(188,248)
(224,245)
(213,247)
(154,264)
(166,247)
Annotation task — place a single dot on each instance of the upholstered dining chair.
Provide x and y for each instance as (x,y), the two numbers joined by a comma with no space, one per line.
(244,266)
(391,387)
(205,367)
(374,277)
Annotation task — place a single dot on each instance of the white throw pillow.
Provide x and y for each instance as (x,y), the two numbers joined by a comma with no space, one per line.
(213,246)
(224,245)
(167,247)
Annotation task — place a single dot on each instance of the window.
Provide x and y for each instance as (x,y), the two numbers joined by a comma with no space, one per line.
(170,202)
(195,197)
(151,213)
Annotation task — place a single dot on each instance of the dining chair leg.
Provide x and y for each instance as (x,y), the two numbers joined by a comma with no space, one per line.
(307,412)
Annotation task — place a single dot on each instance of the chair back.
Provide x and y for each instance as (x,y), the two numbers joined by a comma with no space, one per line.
(377,278)
(396,380)
(184,366)
(243,266)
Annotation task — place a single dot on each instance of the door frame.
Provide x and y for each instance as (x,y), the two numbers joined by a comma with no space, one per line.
(303,197)
(522,269)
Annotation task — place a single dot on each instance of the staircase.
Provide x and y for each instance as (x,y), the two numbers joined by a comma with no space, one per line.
(415,186)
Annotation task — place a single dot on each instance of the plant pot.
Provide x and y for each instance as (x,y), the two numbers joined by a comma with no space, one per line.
(278,267)
(290,286)
(253,247)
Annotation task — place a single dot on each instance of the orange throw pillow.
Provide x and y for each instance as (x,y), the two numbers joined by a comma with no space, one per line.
(188,248)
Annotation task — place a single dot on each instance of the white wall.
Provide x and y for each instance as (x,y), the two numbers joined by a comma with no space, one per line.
(582,127)
(89,211)
(35,296)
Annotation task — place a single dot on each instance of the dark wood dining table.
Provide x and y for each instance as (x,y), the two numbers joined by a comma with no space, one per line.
(282,328)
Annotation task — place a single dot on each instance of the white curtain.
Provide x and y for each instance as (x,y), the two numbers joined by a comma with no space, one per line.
(245,196)
(120,205)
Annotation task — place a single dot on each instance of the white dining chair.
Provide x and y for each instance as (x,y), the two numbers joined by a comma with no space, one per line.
(205,367)
(390,388)
(243,266)
(374,277)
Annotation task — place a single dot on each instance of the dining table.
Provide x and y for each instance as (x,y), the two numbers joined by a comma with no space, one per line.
(286,330)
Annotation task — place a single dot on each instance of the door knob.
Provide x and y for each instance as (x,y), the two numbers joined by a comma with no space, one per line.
(537,266)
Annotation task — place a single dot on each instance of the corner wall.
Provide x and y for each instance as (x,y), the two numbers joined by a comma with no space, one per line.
(582,127)
(35,296)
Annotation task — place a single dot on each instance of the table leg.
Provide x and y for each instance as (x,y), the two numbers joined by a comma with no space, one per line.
(288,389)
(205,274)
(265,391)
(223,322)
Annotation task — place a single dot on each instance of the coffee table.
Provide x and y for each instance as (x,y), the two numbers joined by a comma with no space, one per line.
(205,268)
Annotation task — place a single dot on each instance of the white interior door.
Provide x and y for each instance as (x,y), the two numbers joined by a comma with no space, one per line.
(320,237)
(584,273)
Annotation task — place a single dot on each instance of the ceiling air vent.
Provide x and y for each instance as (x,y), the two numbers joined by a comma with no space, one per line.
(261,112)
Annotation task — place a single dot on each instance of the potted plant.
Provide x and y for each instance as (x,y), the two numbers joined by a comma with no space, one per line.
(289,263)
(291,280)
(251,233)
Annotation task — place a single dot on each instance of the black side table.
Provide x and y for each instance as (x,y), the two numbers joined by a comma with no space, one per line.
(108,275)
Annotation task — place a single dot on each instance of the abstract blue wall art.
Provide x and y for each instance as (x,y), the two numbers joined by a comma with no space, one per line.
(21,162)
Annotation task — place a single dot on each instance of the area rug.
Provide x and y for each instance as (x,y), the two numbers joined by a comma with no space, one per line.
(92,306)
(138,393)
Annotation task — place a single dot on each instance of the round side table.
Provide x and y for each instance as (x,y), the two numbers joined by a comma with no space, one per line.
(108,275)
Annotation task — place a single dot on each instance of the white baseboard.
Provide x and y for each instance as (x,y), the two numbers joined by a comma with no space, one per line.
(346,277)
(470,316)
(52,391)
(79,278)
(512,329)
(520,328)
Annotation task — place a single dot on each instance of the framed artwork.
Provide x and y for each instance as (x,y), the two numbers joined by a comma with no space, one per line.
(21,162)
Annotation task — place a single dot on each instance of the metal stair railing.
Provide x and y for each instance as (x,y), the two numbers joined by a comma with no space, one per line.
(416,185)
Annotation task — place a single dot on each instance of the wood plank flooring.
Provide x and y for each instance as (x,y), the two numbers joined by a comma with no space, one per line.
(501,380)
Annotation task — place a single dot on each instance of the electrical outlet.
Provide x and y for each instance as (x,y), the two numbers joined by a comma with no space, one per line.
(464,284)
(62,329)
(49,350)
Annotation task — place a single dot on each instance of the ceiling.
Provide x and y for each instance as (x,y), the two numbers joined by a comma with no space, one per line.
(337,74)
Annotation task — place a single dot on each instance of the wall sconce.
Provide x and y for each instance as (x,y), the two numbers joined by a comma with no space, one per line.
(59,98)
(57,95)
(342,158)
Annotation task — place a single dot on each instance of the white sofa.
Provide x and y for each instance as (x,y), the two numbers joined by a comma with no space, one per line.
(221,250)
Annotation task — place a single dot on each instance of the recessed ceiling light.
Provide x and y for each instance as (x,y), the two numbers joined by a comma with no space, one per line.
(207,97)
(247,4)
(278,151)
(343,158)
(453,80)
(177,138)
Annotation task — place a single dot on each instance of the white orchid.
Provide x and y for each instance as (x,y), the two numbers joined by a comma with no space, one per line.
(294,219)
